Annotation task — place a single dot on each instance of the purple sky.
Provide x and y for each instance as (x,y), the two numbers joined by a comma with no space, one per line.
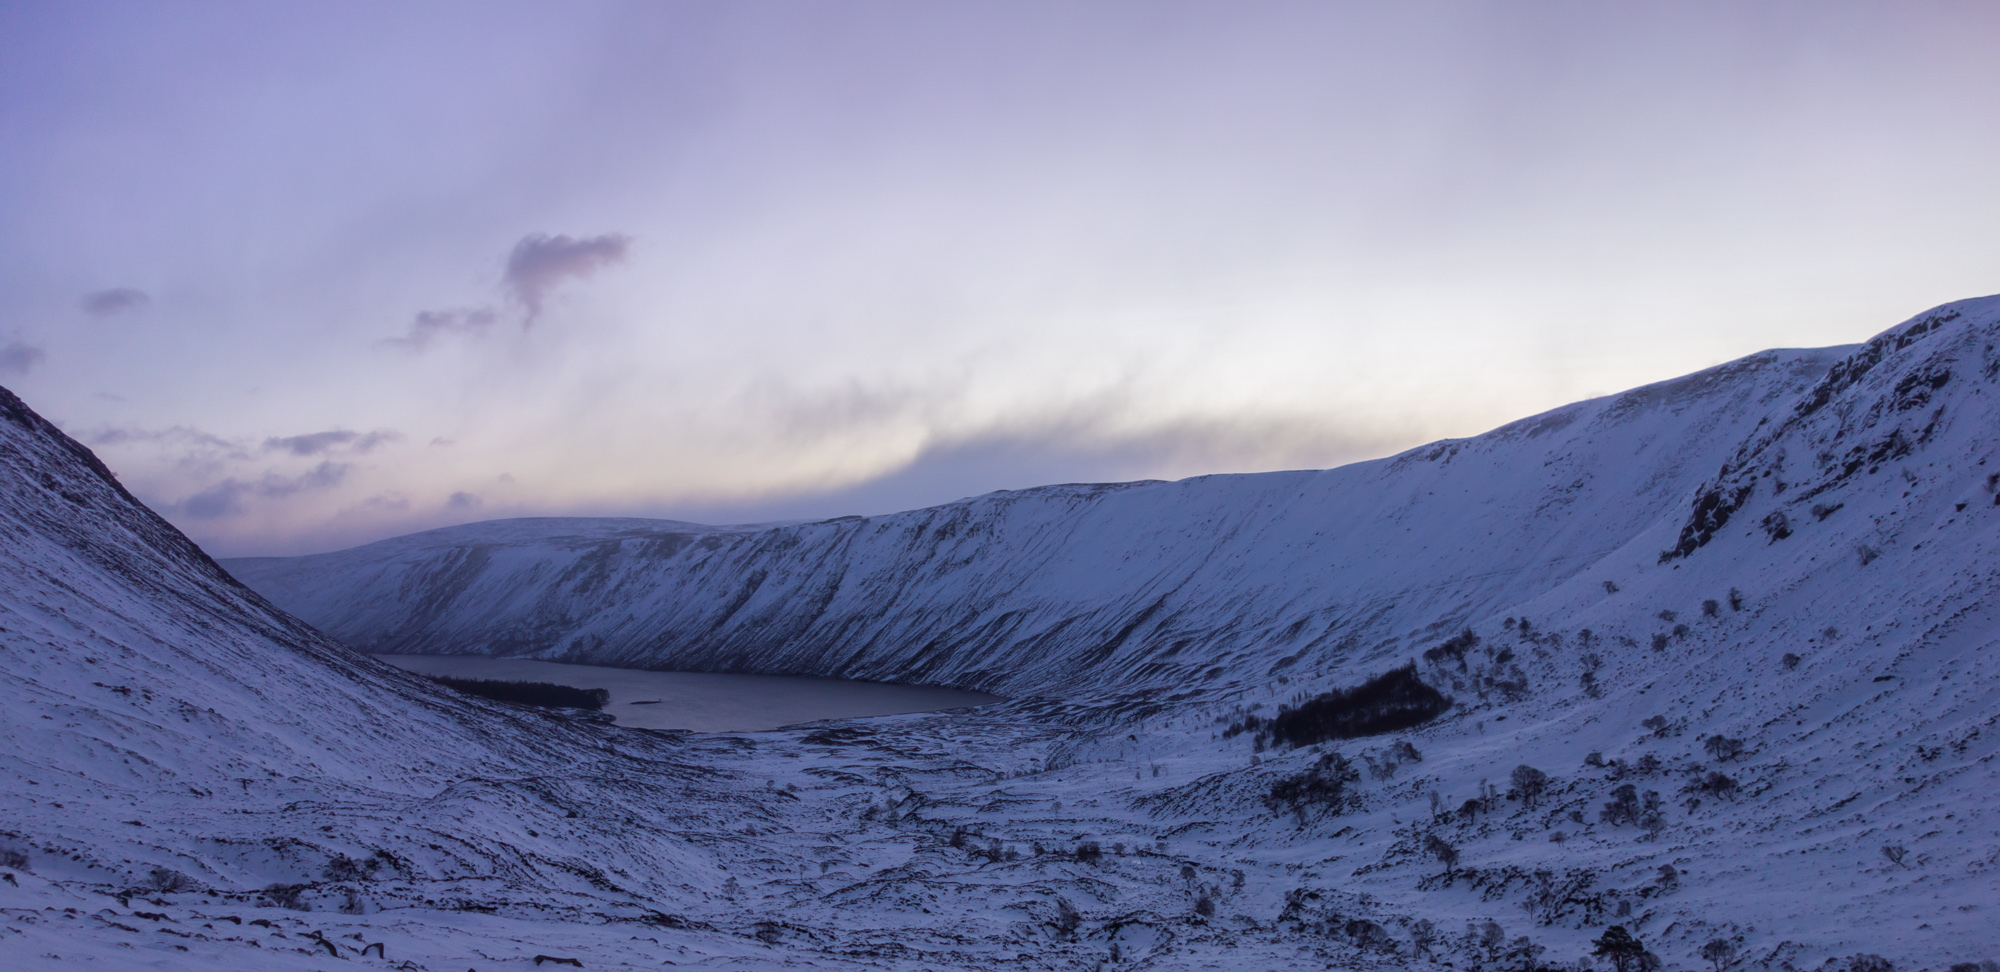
(308,275)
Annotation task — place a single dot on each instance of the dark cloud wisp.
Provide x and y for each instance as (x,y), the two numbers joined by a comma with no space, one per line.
(226,498)
(431,325)
(117,300)
(19,358)
(540,262)
(315,443)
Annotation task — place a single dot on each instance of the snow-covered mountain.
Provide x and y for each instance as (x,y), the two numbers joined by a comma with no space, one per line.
(1184,584)
(1744,626)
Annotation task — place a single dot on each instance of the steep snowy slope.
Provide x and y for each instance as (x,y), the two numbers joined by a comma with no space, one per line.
(159,716)
(1179,584)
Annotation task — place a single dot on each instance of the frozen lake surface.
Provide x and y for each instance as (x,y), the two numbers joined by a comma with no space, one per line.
(703,702)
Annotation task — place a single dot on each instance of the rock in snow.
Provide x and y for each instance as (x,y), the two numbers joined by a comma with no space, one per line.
(1740,628)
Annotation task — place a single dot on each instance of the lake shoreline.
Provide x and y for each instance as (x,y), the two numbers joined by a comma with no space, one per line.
(707,701)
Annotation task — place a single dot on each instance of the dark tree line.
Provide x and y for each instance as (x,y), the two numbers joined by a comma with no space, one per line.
(528,693)
(1392,701)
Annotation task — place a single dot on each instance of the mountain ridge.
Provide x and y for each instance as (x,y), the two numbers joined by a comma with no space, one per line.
(539,598)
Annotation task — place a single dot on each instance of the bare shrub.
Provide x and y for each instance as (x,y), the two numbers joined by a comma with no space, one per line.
(1867,962)
(1723,748)
(1435,846)
(1626,953)
(1623,807)
(169,881)
(1423,933)
(1530,782)
(1719,951)
(288,896)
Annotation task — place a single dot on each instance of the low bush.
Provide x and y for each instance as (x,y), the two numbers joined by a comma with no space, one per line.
(1720,785)
(528,693)
(169,881)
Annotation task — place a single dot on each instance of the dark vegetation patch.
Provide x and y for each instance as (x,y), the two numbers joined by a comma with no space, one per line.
(1454,649)
(1322,786)
(1389,702)
(528,693)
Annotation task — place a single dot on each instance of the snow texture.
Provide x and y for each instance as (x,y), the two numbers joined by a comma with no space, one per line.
(1762,596)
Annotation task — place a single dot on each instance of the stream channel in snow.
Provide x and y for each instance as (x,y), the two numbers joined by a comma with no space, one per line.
(705,702)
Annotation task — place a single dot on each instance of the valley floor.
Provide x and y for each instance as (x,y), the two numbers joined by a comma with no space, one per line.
(1007,838)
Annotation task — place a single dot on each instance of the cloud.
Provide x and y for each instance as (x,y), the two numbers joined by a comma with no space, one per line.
(222,499)
(540,262)
(202,448)
(117,300)
(19,358)
(463,501)
(326,475)
(314,443)
(431,325)
(226,498)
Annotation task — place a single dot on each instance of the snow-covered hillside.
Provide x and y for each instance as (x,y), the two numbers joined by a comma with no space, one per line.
(1187,584)
(1764,598)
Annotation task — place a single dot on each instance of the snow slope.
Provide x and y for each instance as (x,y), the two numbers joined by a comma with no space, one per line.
(1644,574)
(1134,585)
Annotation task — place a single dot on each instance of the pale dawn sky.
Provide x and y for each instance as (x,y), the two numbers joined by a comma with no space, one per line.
(312,274)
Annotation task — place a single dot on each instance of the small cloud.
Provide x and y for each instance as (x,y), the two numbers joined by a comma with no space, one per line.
(540,262)
(226,498)
(441,442)
(180,435)
(220,500)
(391,502)
(463,502)
(19,358)
(431,325)
(107,396)
(315,443)
(323,476)
(117,300)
